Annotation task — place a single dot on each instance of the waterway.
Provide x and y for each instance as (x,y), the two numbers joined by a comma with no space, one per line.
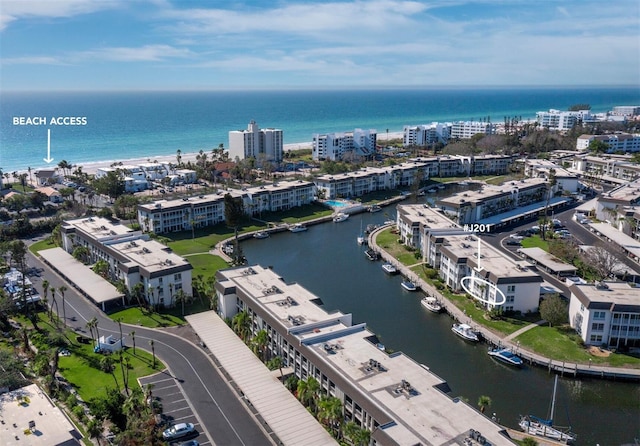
(327,261)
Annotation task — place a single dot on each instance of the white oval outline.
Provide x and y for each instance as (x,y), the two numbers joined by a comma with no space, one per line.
(473,278)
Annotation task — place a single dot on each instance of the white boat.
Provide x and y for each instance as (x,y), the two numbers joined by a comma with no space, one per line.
(432,191)
(505,355)
(298,227)
(340,216)
(441,186)
(389,268)
(465,332)
(361,239)
(409,285)
(431,304)
(374,208)
(545,428)
(260,234)
(463,183)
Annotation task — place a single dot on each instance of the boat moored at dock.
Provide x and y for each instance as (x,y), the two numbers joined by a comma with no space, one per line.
(432,304)
(389,268)
(506,356)
(465,332)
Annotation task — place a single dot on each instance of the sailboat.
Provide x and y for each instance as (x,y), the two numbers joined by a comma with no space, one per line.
(545,428)
(362,240)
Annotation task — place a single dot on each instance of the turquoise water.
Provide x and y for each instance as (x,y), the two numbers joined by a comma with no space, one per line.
(125,125)
(335,203)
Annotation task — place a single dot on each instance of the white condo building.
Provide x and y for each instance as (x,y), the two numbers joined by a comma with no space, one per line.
(399,401)
(562,120)
(254,142)
(617,142)
(426,134)
(335,146)
(132,257)
(466,129)
(606,314)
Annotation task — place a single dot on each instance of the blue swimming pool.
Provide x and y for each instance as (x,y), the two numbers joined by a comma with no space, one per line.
(335,203)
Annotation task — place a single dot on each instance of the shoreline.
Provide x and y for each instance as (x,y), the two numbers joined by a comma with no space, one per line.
(91,167)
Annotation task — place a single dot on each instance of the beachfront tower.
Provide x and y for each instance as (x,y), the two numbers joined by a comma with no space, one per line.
(265,145)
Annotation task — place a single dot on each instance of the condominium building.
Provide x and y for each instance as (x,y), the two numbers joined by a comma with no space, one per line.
(337,146)
(606,169)
(265,145)
(377,389)
(474,206)
(426,134)
(562,120)
(606,314)
(626,110)
(617,142)
(466,129)
(538,168)
(207,210)
(131,257)
(493,278)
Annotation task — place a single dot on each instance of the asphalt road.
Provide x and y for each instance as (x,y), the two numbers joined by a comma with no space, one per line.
(224,418)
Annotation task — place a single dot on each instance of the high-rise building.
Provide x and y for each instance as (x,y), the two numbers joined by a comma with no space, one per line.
(265,145)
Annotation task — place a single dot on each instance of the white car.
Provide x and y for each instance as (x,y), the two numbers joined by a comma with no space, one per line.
(177,431)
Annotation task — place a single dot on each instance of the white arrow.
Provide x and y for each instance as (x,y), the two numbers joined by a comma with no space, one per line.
(48,159)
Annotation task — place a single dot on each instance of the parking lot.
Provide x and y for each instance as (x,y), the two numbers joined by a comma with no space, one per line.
(175,407)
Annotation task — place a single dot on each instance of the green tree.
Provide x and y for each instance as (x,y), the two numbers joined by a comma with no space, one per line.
(483,402)
(241,324)
(153,352)
(554,310)
(330,414)
(259,344)
(111,184)
(597,146)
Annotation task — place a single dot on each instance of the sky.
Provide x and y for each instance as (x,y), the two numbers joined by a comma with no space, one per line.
(224,44)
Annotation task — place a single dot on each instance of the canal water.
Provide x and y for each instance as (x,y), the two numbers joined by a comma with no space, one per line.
(327,261)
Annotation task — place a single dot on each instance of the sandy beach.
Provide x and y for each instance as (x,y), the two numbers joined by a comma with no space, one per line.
(92,167)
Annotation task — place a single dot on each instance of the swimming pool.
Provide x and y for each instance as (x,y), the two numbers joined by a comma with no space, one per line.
(335,203)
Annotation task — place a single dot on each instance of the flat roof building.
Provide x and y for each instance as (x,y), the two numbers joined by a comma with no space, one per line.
(606,314)
(398,400)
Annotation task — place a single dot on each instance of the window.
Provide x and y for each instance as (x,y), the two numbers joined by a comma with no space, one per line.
(599,314)
(595,338)
(511,289)
(597,327)
(511,298)
(177,276)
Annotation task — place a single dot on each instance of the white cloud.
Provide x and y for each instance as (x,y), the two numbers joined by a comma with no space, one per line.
(18,9)
(144,53)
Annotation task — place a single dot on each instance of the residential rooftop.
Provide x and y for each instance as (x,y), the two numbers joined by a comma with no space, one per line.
(614,296)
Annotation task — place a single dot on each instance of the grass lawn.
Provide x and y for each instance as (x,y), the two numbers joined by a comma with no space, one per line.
(561,344)
(81,368)
(82,371)
(206,265)
(42,244)
(388,241)
(138,316)
(535,241)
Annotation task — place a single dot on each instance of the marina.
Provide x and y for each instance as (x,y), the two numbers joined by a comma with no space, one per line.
(380,302)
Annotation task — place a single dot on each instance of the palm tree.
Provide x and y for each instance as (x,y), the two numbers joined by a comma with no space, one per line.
(62,289)
(330,413)
(45,291)
(94,429)
(307,391)
(54,302)
(153,352)
(133,341)
(259,344)
(483,402)
(107,366)
(181,297)
(241,324)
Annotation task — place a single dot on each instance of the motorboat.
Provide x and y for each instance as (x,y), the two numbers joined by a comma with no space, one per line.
(297,227)
(409,285)
(432,191)
(374,208)
(465,332)
(432,304)
(260,234)
(389,268)
(372,254)
(361,239)
(340,216)
(505,355)
(441,186)
(545,428)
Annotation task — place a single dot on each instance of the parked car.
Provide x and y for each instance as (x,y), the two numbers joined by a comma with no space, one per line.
(513,242)
(190,443)
(179,430)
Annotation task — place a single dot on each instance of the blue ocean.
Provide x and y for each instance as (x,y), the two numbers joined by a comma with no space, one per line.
(125,125)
